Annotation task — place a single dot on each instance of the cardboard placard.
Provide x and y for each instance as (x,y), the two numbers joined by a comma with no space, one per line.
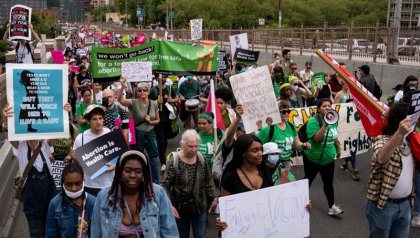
(246,57)
(196,29)
(137,71)
(20,18)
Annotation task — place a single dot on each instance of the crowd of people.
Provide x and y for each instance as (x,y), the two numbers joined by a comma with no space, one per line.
(152,192)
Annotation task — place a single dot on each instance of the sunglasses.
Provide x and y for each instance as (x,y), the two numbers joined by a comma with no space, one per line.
(284,111)
(143,90)
(294,68)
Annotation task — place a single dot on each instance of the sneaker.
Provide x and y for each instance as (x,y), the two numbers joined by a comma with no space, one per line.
(163,167)
(334,210)
(356,176)
(415,222)
(344,167)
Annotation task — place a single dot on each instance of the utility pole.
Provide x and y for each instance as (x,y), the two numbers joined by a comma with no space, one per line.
(125,14)
(172,13)
(167,14)
(396,28)
(279,14)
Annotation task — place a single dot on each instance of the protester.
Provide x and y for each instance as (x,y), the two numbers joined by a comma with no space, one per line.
(97,93)
(146,116)
(94,116)
(133,206)
(410,80)
(224,96)
(324,91)
(284,134)
(70,212)
(300,91)
(163,129)
(39,187)
(114,112)
(81,108)
(367,79)
(84,79)
(287,60)
(336,82)
(24,50)
(325,147)
(190,89)
(188,182)
(306,74)
(390,186)
(206,133)
(278,79)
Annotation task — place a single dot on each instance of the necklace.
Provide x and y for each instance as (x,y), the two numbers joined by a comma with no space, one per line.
(249,181)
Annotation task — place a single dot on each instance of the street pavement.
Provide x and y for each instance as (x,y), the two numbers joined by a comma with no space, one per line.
(349,194)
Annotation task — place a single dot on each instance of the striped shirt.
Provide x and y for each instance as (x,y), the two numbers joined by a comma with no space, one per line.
(383,177)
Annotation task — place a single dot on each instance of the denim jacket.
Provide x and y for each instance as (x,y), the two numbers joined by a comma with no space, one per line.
(156,217)
(62,218)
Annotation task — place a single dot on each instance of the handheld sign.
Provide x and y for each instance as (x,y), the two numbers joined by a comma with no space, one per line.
(255,91)
(137,71)
(277,211)
(239,41)
(20,18)
(414,108)
(318,79)
(56,171)
(246,57)
(94,155)
(222,60)
(196,29)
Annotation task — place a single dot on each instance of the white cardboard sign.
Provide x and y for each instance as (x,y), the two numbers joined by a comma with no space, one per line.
(137,71)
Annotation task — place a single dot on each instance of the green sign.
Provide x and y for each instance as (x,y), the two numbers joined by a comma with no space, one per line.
(166,57)
(318,79)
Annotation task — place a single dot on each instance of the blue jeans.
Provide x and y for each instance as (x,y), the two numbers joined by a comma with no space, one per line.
(417,198)
(198,222)
(391,221)
(147,140)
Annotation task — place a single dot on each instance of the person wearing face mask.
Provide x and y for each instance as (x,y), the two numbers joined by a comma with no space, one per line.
(69,212)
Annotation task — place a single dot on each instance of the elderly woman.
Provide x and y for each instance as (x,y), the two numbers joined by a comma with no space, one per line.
(146,117)
(133,206)
(188,181)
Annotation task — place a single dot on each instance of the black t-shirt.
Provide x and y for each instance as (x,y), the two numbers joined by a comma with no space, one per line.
(164,113)
(84,79)
(233,184)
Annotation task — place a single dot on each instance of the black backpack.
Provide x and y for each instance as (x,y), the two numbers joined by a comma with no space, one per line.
(303,136)
(28,47)
(377,92)
(271,131)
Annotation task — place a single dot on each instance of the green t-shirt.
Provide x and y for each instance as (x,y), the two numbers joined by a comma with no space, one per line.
(80,109)
(314,154)
(283,138)
(206,147)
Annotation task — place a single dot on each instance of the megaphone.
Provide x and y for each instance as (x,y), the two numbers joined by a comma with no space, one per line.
(331,117)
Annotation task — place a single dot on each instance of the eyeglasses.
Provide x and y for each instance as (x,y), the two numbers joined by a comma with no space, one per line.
(284,111)
(294,68)
(295,84)
(143,90)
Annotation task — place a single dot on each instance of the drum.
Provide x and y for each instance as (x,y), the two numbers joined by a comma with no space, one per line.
(191,105)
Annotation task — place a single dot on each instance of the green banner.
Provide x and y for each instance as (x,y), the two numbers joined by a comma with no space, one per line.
(166,57)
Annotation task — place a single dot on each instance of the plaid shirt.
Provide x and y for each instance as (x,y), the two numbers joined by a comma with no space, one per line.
(383,177)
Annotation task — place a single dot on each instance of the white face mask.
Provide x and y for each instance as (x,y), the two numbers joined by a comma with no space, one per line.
(74,195)
(295,88)
(273,159)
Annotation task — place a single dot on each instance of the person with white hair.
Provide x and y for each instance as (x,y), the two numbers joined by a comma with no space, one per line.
(190,186)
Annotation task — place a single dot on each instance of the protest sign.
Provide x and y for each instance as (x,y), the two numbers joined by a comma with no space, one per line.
(352,136)
(318,79)
(277,211)
(238,41)
(56,170)
(131,130)
(246,57)
(89,40)
(166,57)
(20,18)
(222,60)
(414,109)
(255,91)
(137,71)
(94,155)
(196,29)
(81,51)
(37,93)
(57,56)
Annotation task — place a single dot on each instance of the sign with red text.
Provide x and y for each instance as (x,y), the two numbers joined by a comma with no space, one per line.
(20,18)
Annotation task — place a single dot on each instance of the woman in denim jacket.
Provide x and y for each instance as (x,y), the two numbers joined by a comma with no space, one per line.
(70,212)
(133,206)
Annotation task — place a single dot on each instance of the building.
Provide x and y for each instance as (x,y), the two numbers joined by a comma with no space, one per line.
(7,4)
(53,4)
(98,3)
(410,13)
(75,10)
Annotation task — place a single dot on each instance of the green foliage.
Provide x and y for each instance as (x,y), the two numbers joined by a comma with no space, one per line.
(43,25)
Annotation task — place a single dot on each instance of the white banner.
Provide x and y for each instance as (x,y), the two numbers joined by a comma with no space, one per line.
(196,29)
(137,71)
(255,91)
(277,211)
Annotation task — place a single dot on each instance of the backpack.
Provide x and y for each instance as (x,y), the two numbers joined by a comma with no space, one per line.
(303,136)
(176,159)
(220,163)
(377,92)
(271,131)
(28,47)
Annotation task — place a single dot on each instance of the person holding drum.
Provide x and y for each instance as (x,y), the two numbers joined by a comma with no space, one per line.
(146,116)
(189,92)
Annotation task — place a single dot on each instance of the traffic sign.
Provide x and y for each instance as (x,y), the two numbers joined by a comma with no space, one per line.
(261,21)
(141,12)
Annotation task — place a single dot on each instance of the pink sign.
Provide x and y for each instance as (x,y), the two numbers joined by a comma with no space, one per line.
(57,56)
(104,40)
(131,131)
(75,69)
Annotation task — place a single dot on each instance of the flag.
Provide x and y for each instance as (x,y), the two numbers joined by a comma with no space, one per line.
(213,107)
(370,109)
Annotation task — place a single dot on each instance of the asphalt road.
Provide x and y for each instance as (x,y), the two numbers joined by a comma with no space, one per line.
(349,194)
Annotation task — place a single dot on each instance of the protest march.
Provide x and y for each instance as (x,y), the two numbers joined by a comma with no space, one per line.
(91,133)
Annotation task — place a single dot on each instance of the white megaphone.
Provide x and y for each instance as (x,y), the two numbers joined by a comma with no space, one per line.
(331,117)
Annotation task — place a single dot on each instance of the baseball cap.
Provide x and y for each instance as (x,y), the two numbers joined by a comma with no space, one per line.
(72,60)
(270,148)
(92,108)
